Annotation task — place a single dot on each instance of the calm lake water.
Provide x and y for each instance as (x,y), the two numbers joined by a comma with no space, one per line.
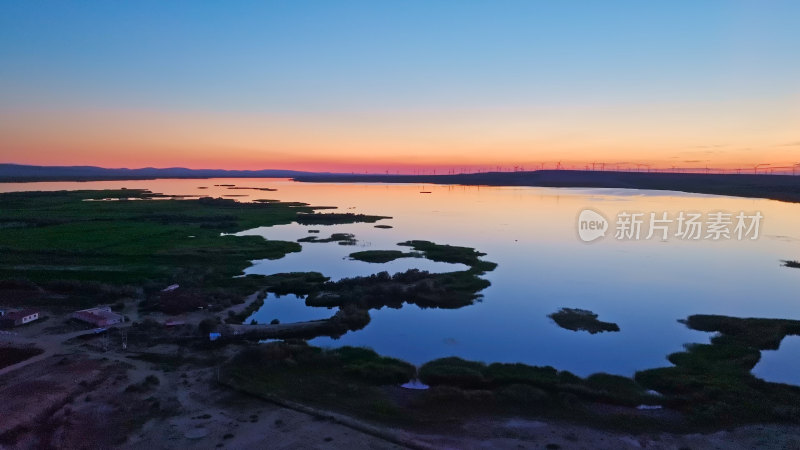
(644,286)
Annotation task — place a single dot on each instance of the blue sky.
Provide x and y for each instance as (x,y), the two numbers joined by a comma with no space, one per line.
(300,59)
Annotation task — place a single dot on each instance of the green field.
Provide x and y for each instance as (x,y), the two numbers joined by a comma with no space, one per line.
(86,239)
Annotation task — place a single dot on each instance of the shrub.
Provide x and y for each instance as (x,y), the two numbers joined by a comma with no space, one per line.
(502,374)
(453,371)
(207,326)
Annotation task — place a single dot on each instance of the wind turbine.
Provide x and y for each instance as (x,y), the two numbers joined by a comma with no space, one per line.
(755,168)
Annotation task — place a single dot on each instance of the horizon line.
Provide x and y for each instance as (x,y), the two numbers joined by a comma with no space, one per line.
(758,169)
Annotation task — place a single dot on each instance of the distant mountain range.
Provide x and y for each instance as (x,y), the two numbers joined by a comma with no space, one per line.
(777,187)
(18,172)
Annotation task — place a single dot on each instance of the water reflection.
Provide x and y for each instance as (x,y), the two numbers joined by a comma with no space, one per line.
(332,260)
(288,309)
(644,286)
(782,365)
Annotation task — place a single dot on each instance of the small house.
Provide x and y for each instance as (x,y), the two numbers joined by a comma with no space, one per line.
(11,319)
(102,316)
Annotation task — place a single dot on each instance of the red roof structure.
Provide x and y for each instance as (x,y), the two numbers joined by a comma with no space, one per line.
(100,317)
(15,315)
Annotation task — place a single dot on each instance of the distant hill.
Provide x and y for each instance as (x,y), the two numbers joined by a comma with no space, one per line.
(18,173)
(776,187)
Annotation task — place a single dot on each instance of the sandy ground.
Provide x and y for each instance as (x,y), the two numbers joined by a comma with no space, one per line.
(77,401)
(531,434)
(78,396)
(222,419)
(61,401)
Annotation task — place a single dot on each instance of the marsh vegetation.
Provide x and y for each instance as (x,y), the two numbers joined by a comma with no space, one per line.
(336,218)
(712,382)
(452,254)
(432,251)
(581,320)
(360,382)
(347,379)
(382,256)
(709,384)
(116,244)
(339,238)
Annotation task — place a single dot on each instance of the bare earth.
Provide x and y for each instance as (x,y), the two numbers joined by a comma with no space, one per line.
(75,401)
(77,395)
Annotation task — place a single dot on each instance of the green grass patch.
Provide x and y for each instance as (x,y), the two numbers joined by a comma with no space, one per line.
(427,290)
(581,320)
(138,239)
(336,218)
(382,256)
(451,254)
(360,382)
(340,238)
(297,283)
(763,334)
(346,379)
(712,383)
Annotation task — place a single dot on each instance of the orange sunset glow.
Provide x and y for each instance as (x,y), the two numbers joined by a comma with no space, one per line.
(705,88)
(404,142)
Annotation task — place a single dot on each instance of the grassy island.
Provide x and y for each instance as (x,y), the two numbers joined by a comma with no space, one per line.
(381,256)
(452,254)
(335,218)
(432,251)
(340,238)
(581,320)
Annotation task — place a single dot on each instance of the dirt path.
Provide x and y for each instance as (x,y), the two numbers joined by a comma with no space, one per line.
(237,309)
(60,400)
(51,344)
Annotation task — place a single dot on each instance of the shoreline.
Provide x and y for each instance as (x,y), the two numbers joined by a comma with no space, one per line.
(784,188)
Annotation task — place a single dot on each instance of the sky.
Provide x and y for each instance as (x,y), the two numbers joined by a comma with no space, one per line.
(400,85)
